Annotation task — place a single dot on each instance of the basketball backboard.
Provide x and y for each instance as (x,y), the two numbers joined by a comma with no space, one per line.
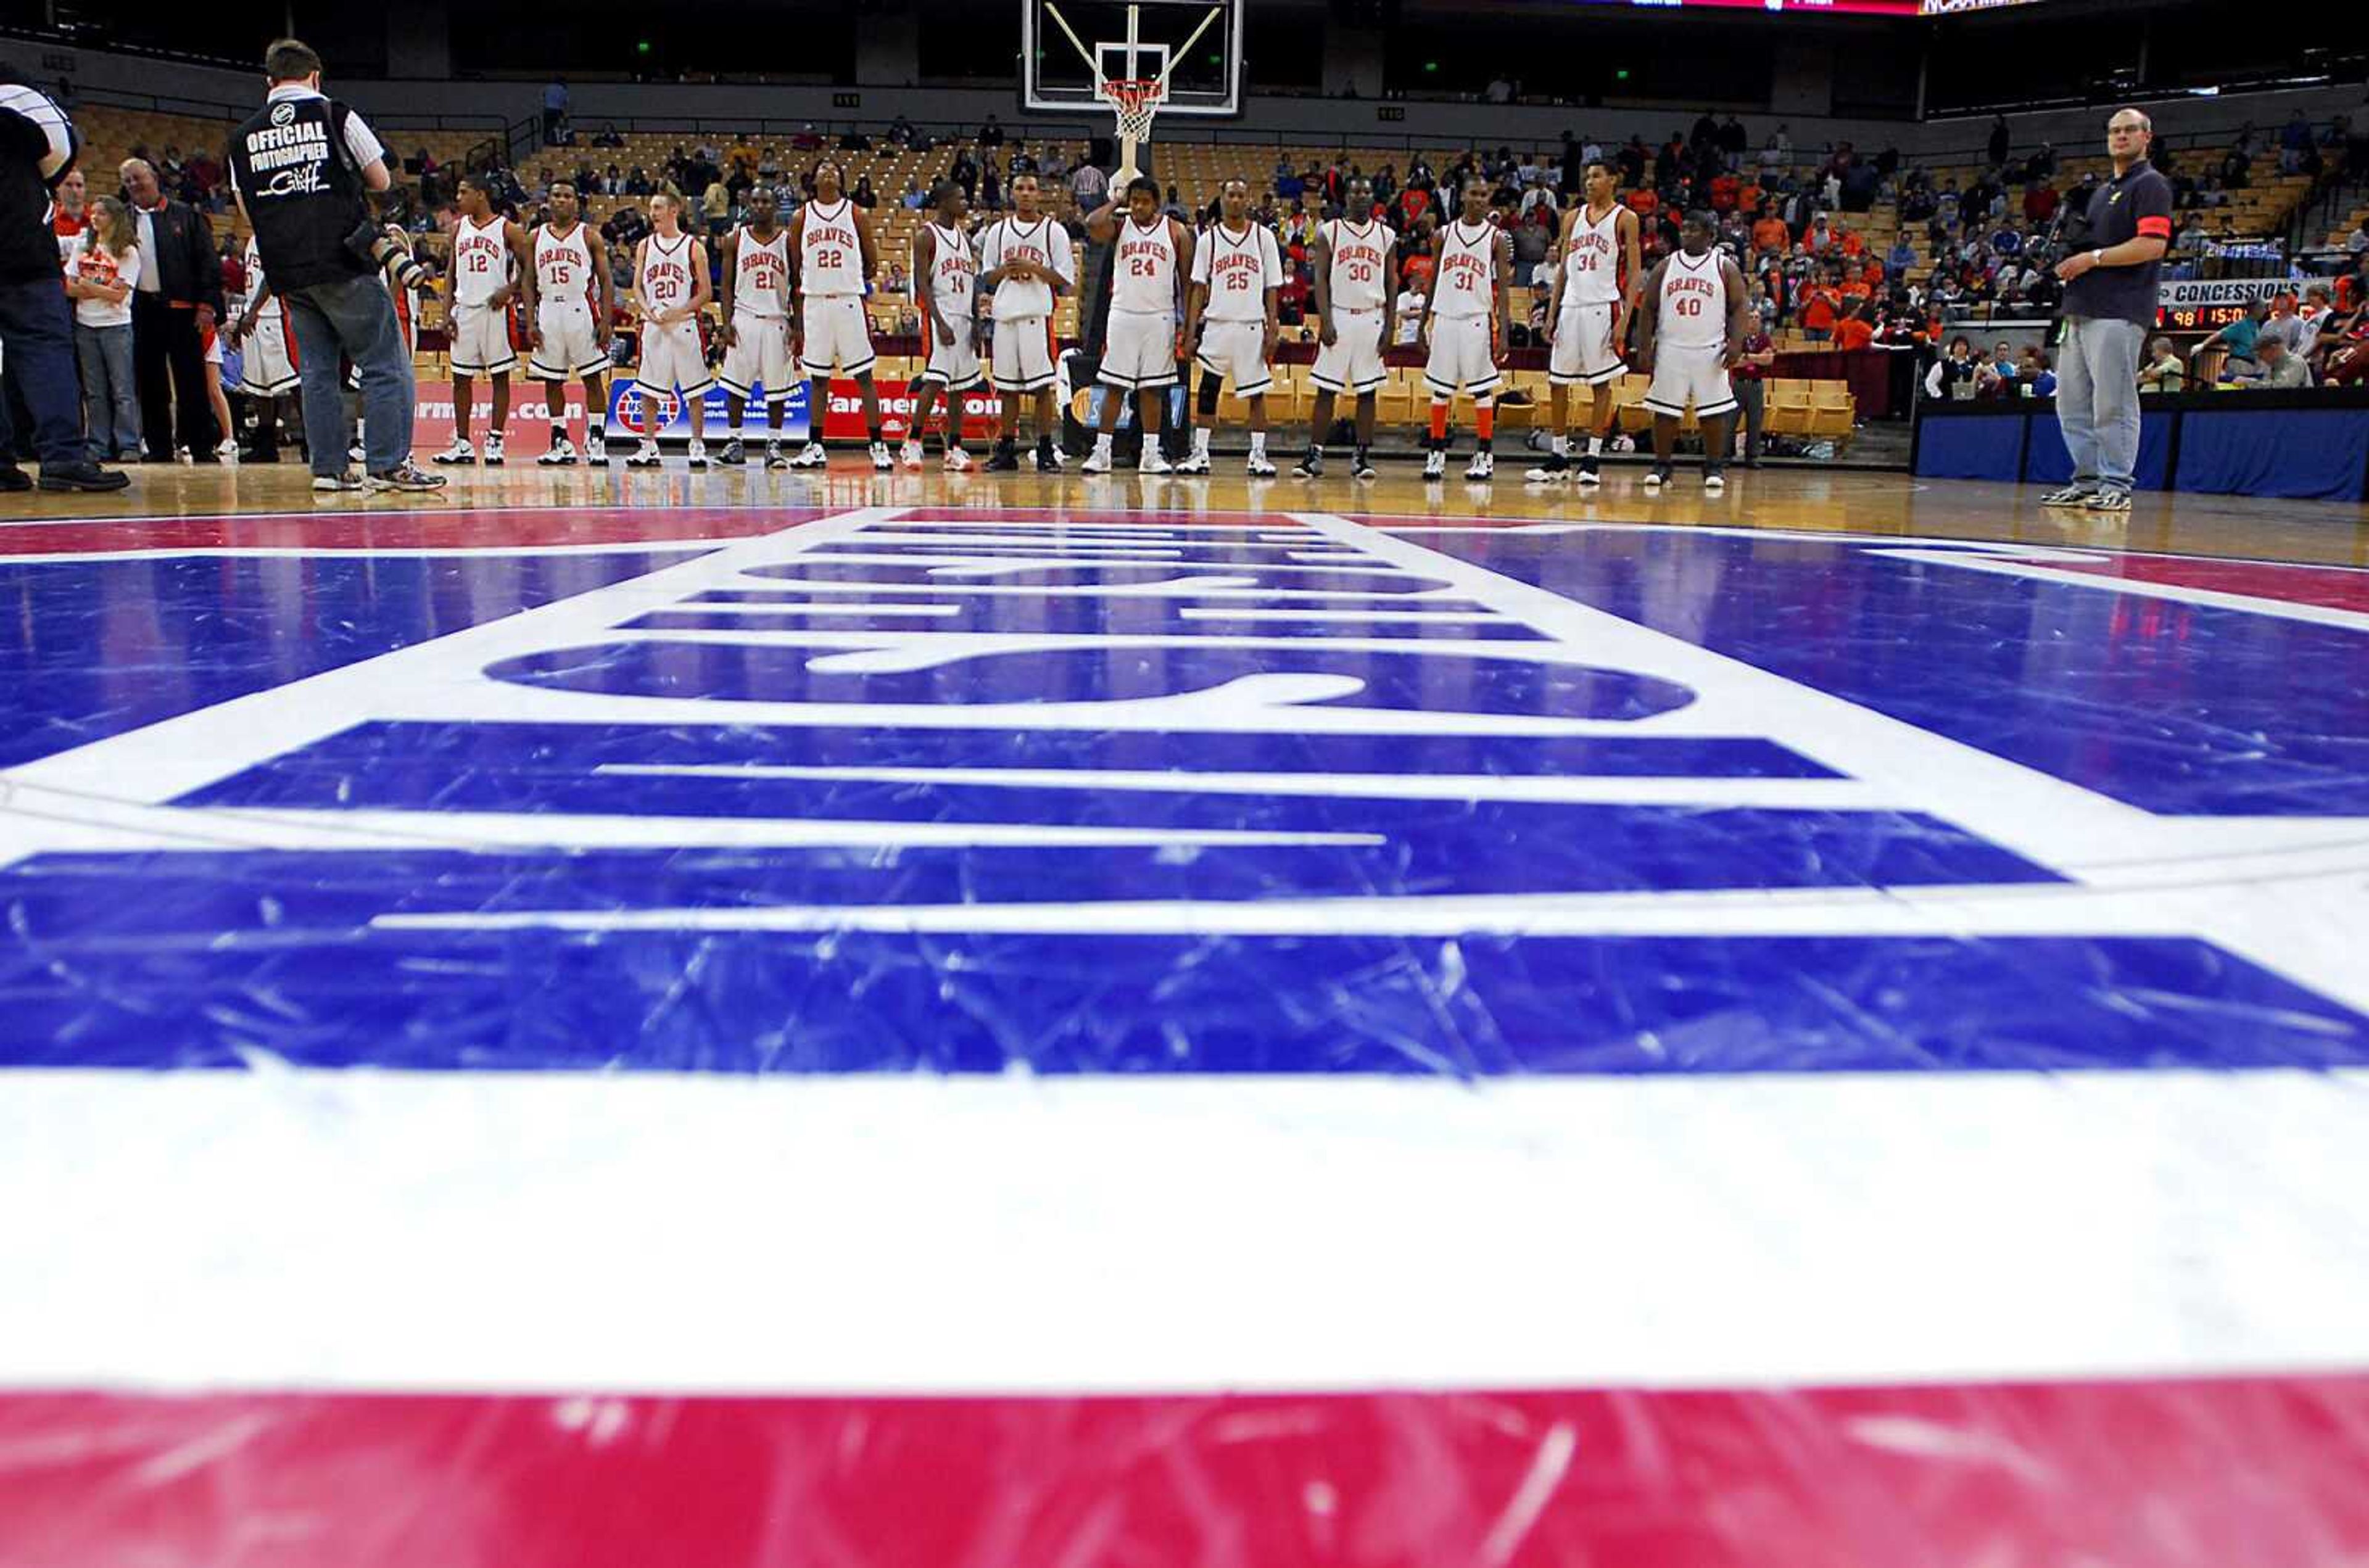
(1067,47)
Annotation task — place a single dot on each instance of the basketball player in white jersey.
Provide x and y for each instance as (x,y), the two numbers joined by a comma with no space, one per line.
(831,247)
(946,295)
(1356,265)
(268,361)
(1595,282)
(489,252)
(669,290)
(756,300)
(567,310)
(1466,324)
(1141,343)
(1689,338)
(1024,263)
(1237,280)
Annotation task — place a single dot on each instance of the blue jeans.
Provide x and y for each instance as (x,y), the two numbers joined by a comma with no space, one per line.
(2097,399)
(37,336)
(111,397)
(351,319)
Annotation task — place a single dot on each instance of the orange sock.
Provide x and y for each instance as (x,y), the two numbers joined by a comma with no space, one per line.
(1484,421)
(1438,422)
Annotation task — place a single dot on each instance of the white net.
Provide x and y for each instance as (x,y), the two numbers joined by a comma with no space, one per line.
(1138,101)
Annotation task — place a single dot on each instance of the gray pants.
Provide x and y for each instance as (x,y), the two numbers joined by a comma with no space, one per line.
(1751,396)
(2097,399)
(111,396)
(351,319)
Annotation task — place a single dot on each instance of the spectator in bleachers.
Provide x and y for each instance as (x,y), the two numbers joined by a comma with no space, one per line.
(1817,309)
(2000,140)
(1900,258)
(2165,370)
(2295,139)
(177,302)
(1089,187)
(1952,374)
(609,136)
(864,196)
(67,204)
(2318,308)
(1756,357)
(900,132)
(101,271)
(1853,330)
(2275,368)
(992,133)
(2035,377)
(2281,323)
(1996,376)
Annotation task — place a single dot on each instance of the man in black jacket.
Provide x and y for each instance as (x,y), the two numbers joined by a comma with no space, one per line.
(178,301)
(37,148)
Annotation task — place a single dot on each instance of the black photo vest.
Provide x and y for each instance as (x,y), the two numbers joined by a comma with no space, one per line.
(301,190)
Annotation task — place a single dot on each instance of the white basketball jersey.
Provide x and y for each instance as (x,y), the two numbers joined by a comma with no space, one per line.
(1361,254)
(481,260)
(272,307)
(1238,270)
(953,273)
(831,257)
(1044,243)
(760,276)
(665,281)
(1143,270)
(563,266)
(1591,268)
(1694,302)
(1468,262)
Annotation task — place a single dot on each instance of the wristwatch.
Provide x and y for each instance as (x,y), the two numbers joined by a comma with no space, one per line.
(2097,258)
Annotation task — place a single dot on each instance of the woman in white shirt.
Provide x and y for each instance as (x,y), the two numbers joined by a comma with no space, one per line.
(102,268)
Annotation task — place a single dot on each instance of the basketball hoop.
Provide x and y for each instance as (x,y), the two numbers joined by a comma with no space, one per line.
(1137,100)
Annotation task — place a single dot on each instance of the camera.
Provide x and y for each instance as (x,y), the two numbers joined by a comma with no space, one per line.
(375,246)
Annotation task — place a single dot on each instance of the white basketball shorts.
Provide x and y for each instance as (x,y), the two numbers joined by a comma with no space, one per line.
(1023,353)
(571,343)
(1460,360)
(758,357)
(1353,361)
(1139,351)
(1584,354)
(267,358)
(837,336)
(481,340)
(1236,349)
(671,360)
(1697,375)
(953,361)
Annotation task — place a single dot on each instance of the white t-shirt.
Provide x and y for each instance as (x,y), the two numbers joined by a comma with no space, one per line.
(100,265)
(1410,327)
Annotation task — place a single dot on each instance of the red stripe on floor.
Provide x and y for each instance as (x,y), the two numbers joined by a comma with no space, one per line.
(2157,1474)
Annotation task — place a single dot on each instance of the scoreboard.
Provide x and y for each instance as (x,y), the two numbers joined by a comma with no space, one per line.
(2208,306)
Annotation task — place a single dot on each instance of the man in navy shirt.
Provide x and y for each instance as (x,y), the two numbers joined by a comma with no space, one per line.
(2109,300)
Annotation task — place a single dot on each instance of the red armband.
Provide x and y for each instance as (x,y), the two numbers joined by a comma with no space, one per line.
(2154,228)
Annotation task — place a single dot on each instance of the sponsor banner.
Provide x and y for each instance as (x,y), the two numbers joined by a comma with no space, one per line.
(2221,291)
(528,430)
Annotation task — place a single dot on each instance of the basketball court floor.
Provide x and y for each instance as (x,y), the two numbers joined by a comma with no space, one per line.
(644,1018)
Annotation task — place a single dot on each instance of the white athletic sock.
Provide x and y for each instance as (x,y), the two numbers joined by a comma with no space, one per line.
(1258,443)
(1201,440)
(1562,446)
(1595,446)
(1102,445)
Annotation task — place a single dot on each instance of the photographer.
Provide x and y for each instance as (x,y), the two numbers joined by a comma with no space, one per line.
(301,170)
